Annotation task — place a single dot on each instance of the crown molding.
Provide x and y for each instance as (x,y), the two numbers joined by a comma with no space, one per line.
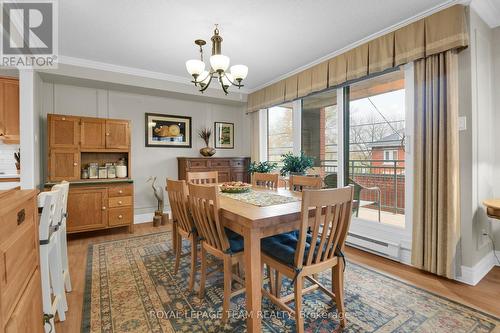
(489,10)
(351,46)
(97,65)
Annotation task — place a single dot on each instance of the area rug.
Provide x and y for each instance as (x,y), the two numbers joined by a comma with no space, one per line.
(130,287)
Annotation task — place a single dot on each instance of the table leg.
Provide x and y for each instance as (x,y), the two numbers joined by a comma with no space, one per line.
(253,280)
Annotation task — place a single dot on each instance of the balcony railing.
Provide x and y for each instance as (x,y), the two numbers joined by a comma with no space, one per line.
(388,175)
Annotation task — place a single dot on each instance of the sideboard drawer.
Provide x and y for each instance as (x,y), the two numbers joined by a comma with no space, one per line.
(220,163)
(120,202)
(120,191)
(198,164)
(21,247)
(15,219)
(119,216)
(238,163)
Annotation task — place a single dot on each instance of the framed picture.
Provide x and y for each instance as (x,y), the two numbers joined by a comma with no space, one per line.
(224,135)
(168,131)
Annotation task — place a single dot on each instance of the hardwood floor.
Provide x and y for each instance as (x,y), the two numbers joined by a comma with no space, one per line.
(485,296)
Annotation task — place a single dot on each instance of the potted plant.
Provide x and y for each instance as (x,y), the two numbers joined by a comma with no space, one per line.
(296,165)
(205,134)
(262,167)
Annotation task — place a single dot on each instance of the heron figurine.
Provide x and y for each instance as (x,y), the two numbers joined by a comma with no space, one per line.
(158,192)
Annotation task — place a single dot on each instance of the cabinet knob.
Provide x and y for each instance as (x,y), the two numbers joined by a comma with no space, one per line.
(63,118)
(103,207)
(120,216)
(120,191)
(120,202)
(107,134)
(75,164)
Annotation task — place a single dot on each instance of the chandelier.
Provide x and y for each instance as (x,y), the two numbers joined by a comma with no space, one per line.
(219,64)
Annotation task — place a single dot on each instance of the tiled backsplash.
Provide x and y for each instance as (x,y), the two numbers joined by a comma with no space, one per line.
(7,161)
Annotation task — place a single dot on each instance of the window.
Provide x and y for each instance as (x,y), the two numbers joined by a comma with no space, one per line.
(279,132)
(390,156)
(319,133)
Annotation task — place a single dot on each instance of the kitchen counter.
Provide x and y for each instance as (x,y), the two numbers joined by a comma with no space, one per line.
(95,181)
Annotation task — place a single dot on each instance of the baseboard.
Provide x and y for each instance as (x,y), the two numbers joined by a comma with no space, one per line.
(472,275)
(143,218)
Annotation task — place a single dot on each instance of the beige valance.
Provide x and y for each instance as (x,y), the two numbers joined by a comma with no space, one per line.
(337,70)
(291,88)
(304,83)
(319,77)
(275,93)
(442,31)
(381,53)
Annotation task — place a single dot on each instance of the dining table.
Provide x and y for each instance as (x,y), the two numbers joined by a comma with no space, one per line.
(255,222)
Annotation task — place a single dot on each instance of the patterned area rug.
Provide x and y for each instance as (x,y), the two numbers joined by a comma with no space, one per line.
(260,199)
(131,287)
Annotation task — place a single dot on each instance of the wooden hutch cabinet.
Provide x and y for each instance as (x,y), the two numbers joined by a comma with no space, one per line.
(229,168)
(9,110)
(73,143)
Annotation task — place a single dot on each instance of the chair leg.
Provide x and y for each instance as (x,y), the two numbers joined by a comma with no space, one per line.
(45,277)
(64,255)
(228,278)
(299,319)
(194,258)
(178,251)
(338,290)
(203,275)
(174,236)
(57,283)
(279,280)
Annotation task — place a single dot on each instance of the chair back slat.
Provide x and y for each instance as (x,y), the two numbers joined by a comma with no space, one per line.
(178,197)
(205,207)
(63,200)
(299,183)
(329,226)
(206,177)
(50,203)
(265,180)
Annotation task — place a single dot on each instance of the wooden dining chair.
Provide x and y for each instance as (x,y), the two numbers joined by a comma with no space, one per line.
(266,180)
(183,226)
(299,183)
(206,177)
(313,252)
(218,241)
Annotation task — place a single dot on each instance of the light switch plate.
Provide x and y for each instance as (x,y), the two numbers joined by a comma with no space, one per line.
(462,123)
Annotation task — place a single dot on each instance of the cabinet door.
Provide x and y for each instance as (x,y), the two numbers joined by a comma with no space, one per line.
(117,134)
(238,175)
(64,164)
(28,314)
(87,208)
(64,131)
(9,123)
(224,175)
(92,133)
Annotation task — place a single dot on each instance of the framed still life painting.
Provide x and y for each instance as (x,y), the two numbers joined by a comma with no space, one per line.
(168,131)
(224,135)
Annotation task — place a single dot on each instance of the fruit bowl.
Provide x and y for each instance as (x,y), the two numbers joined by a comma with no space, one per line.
(235,187)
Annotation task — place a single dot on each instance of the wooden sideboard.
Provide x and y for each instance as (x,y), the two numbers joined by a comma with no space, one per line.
(229,168)
(20,285)
(73,143)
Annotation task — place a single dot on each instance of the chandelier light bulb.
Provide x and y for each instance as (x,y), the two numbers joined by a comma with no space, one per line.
(219,62)
(239,72)
(195,67)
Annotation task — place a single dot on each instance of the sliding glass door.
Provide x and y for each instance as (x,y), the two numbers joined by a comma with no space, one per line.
(375,159)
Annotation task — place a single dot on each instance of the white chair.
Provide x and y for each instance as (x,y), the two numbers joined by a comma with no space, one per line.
(63,245)
(50,260)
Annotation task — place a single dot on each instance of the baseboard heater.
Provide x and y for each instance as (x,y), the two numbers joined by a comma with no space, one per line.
(385,249)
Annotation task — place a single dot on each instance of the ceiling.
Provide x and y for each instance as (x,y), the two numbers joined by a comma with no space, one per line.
(271,37)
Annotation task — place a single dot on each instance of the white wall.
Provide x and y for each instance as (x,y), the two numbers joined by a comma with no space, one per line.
(496,101)
(147,161)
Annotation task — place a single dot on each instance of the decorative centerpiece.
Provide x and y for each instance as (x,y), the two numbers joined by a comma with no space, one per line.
(235,187)
(205,134)
(296,165)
